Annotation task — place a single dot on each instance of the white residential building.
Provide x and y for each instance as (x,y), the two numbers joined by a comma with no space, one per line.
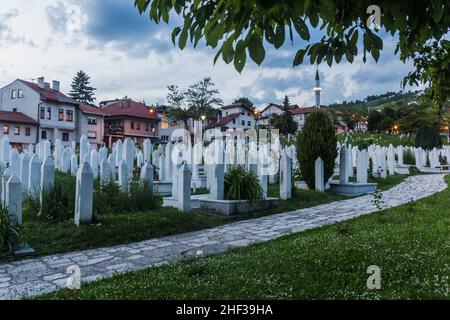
(54,114)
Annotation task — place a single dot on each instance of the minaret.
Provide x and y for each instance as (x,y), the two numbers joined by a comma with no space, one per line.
(317,89)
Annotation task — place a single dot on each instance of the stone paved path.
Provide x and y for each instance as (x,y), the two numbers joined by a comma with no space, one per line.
(45,274)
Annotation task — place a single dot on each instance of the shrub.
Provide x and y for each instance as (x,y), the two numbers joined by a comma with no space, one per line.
(109,199)
(58,204)
(241,184)
(317,139)
(428,137)
(9,235)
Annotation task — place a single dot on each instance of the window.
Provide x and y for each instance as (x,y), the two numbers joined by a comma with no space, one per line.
(165,138)
(249,123)
(17,130)
(243,122)
(234,121)
(27,131)
(65,136)
(43,134)
(147,126)
(61,115)
(92,135)
(164,125)
(248,114)
(132,125)
(69,116)
(5,129)
(14,109)
(13,94)
(92,121)
(20,93)
(49,113)
(42,113)
(138,126)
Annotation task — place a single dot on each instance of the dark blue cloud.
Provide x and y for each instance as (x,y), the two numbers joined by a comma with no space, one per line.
(119,21)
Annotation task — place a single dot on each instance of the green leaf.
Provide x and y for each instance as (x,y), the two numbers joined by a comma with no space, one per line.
(302,28)
(175,33)
(299,56)
(279,36)
(183,38)
(240,56)
(256,48)
(228,50)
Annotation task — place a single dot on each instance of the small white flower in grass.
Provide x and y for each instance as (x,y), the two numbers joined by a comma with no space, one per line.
(199,253)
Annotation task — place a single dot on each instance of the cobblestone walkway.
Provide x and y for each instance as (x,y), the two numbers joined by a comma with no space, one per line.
(45,274)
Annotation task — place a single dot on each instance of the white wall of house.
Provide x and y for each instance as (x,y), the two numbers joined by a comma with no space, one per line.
(246,119)
(271,110)
(90,125)
(19,97)
(26,103)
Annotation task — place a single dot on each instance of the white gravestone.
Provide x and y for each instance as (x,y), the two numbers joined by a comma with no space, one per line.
(184,189)
(14,200)
(319,175)
(84,194)
(34,180)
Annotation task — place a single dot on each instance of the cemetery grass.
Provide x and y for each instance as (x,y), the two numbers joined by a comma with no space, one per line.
(409,243)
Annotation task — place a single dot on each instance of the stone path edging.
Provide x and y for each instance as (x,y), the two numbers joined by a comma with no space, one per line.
(45,274)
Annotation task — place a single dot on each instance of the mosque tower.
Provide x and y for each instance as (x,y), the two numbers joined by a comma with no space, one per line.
(317,89)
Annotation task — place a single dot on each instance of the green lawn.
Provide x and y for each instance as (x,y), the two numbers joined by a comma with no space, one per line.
(409,243)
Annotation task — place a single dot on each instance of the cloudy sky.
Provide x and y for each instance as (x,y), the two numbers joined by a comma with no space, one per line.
(126,54)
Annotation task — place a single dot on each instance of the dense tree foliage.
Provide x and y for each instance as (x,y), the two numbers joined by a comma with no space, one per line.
(81,89)
(284,122)
(317,139)
(237,28)
(428,137)
(246,102)
(432,62)
(200,99)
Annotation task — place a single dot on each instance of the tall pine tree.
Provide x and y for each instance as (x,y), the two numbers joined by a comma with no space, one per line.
(81,90)
(285,122)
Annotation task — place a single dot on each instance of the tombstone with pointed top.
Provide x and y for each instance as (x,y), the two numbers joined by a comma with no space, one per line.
(140,159)
(123,176)
(13,200)
(65,161)
(184,189)
(319,175)
(148,150)
(25,171)
(128,154)
(14,161)
(147,176)
(155,158)
(285,177)
(102,154)
(217,182)
(94,162)
(112,165)
(6,175)
(119,151)
(105,173)
(34,180)
(362,166)
(84,148)
(73,165)
(47,176)
(169,163)
(84,194)
(6,147)
(162,168)
(2,171)
(343,166)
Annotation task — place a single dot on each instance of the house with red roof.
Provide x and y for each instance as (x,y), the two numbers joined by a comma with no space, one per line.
(129,119)
(54,115)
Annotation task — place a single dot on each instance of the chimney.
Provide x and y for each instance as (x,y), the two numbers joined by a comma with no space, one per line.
(56,85)
(47,85)
(41,82)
